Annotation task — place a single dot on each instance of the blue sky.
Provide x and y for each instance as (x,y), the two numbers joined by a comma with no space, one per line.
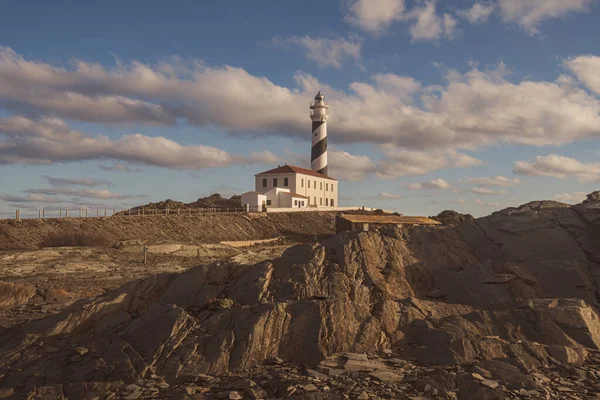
(468,105)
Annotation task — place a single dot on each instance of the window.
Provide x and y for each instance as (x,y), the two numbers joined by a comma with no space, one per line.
(302,182)
(321,201)
(331,203)
(264,182)
(332,187)
(308,181)
(274,182)
(268,202)
(302,204)
(327,187)
(285,181)
(308,199)
(295,202)
(326,202)
(321,186)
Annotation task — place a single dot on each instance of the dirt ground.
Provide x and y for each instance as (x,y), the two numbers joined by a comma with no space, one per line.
(207,228)
(50,279)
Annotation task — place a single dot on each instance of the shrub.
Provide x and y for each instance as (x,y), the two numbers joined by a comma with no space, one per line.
(70,239)
(219,304)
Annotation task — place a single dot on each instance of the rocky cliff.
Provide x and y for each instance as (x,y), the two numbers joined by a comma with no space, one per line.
(509,294)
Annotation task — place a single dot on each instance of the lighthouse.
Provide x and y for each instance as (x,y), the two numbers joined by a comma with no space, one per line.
(318,114)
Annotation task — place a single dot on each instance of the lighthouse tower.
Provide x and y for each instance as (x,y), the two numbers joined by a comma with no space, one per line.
(318,115)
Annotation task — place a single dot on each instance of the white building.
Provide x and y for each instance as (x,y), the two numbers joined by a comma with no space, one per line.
(289,186)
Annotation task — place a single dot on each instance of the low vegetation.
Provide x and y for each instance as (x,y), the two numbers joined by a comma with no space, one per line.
(219,304)
(74,239)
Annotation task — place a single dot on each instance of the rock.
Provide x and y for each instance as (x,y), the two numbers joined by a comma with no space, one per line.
(386,376)
(499,278)
(472,389)
(452,218)
(508,374)
(435,294)
(15,293)
(356,357)
(6,393)
(274,361)
(310,387)
(489,383)
(133,395)
(316,374)
(593,197)
(477,376)
(568,355)
(81,351)
(482,372)
(363,396)
(519,291)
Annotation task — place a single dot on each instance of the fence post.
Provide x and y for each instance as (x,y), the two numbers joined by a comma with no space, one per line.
(17,216)
(143,211)
(86,213)
(39,214)
(44,213)
(105,212)
(80,213)
(60,213)
(66,213)
(179,211)
(97,212)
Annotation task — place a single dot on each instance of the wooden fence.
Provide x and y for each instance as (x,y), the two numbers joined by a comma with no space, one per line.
(102,213)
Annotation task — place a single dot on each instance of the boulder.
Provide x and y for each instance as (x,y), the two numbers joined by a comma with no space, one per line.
(15,293)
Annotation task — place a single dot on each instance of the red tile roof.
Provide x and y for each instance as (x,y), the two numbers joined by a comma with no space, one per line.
(289,169)
(298,195)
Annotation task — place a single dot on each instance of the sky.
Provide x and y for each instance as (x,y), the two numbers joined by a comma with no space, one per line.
(467,105)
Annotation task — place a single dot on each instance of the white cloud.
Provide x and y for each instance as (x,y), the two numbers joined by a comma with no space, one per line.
(585,69)
(486,191)
(384,196)
(530,13)
(494,181)
(421,128)
(573,197)
(120,167)
(374,16)
(394,163)
(29,198)
(51,140)
(89,193)
(479,13)
(493,205)
(559,167)
(75,182)
(345,166)
(403,162)
(435,184)
(326,52)
(428,25)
